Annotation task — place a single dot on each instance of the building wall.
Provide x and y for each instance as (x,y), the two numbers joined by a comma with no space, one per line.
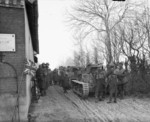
(12,22)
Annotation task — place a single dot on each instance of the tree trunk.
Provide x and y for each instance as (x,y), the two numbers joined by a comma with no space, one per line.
(108,48)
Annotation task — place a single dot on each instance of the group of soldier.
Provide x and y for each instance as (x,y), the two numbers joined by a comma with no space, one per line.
(110,80)
(45,77)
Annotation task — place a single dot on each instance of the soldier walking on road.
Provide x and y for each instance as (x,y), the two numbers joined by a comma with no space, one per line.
(64,79)
(55,77)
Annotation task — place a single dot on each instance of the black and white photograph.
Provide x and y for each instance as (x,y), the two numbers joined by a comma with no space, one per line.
(74,60)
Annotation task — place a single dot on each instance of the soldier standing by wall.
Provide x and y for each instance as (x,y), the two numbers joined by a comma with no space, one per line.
(33,90)
(39,78)
(43,79)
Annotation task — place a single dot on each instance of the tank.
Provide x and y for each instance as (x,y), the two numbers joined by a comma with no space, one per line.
(85,84)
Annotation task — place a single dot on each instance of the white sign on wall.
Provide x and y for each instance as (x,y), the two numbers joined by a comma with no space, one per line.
(7,43)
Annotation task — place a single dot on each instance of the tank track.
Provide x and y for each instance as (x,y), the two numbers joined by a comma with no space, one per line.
(85,90)
(80,88)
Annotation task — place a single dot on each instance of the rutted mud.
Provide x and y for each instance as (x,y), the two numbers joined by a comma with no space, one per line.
(59,107)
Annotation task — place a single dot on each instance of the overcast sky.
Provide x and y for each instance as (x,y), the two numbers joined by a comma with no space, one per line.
(54,37)
(56,43)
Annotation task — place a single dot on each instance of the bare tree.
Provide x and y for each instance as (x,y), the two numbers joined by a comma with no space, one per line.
(99,46)
(76,59)
(131,40)
(116,45)
(88,58)
(95,55)
(99,16)
(68,62)
(143,21)
(80,55)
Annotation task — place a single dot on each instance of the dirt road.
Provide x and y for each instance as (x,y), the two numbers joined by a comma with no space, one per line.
(60,107)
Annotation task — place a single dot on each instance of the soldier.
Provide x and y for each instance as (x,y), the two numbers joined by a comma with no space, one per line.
(64,79)
(112,82)
(39,78)
(60,75)
(48,76)
(66,83)
(33,90)
(70,76)
(54,76)
(44,79)
(79,73)
(120,75)
(100,85)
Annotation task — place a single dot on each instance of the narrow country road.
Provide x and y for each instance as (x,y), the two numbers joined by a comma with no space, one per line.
(59,107)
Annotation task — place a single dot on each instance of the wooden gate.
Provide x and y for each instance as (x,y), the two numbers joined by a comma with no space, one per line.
(8,78)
